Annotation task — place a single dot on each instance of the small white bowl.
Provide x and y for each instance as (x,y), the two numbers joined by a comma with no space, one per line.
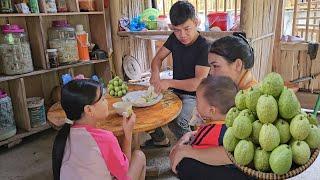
(122,107)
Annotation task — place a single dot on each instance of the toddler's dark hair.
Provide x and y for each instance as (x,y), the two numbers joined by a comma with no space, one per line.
(220,91)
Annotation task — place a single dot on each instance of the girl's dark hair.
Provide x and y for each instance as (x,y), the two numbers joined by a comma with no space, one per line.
(75,95)
(180,12)
(234,47)
(220,91)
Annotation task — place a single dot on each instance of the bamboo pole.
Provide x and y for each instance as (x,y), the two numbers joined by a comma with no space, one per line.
(235,10)
(197,10)
(308,20)
(246,19)
(216,5)
(205,8)
(295,8)
(164,7)
(151,46)
(277,6)
(116,40)
(277,36)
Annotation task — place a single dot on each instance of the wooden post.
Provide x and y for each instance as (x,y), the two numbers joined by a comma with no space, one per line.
(151,46)
(277,36)
(235,10)
(205,8)
(19,103)
(116,40)
(295,8)
(197,10)
(225,6)
(164,7)
(246,20)
(216,5)
(308,20)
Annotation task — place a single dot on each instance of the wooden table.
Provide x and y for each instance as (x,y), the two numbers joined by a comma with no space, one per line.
(148,118)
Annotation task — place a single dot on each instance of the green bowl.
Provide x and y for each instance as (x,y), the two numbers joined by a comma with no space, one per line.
(152,25)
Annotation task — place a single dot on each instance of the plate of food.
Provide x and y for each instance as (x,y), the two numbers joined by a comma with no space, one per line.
(143,98)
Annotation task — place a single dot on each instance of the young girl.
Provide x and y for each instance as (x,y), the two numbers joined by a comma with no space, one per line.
(200,154)
(82,151)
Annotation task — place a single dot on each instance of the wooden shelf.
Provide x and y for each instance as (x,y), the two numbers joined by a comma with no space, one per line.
(22,134)
(43,82)
(19,15)
(37,72)
(72,13)
(162,35)
(52,14)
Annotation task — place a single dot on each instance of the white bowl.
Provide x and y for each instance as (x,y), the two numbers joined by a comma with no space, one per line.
(122,107)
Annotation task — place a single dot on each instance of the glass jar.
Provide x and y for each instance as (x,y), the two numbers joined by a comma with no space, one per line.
(15,53)
(34,7)
(6,6)
(62,5)
(7,123)
(87,5)
(63,38)
(51,6)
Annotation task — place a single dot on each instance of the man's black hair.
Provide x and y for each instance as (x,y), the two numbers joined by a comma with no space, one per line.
(180,12)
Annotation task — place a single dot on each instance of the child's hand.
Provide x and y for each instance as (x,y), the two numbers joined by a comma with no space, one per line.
(128,124)
(186,137)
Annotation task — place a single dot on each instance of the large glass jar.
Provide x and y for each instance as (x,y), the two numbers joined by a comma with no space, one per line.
(15,53)
(63,38)
(6,6)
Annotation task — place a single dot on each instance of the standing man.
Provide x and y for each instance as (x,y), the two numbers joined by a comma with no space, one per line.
(190,65)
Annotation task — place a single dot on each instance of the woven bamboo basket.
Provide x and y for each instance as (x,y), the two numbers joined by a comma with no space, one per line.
(272,176)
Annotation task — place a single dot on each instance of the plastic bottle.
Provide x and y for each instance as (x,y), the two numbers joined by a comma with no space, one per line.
(82,42)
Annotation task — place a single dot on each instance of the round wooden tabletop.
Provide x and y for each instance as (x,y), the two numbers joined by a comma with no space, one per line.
(148,118)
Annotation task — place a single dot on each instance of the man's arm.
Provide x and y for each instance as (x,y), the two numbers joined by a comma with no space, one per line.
(156,64)
(212,156)
(192,84)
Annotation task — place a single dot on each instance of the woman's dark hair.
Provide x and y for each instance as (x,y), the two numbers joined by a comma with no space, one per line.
(75,95)
(220,91)
(180,12)
(234,47)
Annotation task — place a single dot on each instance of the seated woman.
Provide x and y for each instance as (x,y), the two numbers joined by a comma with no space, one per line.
(82,151)
(215,96)
(232,56)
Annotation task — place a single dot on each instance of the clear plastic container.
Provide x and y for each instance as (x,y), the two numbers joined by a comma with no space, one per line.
(6,6)
(163,22)
(63,38)
(15,53)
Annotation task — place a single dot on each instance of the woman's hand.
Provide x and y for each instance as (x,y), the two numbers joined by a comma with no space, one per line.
(177,154)
(128,124)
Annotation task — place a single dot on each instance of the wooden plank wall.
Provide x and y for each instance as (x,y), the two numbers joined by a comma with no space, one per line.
(258,20)
(295,63)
